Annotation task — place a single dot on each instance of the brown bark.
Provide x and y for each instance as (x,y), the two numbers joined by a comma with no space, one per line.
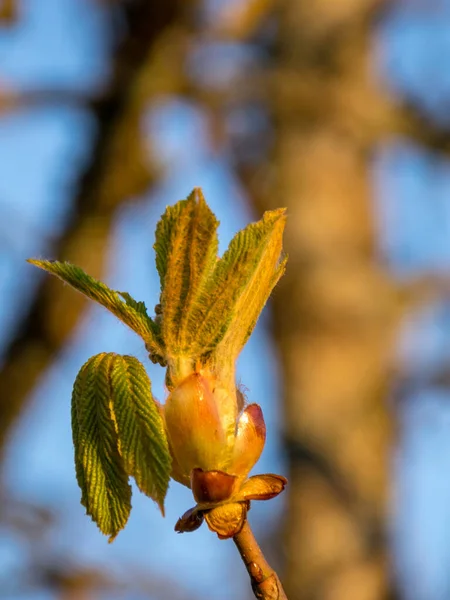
(334,312)
(116,171)
(265,582)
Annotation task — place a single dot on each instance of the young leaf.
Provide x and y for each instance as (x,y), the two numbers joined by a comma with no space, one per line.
(186,253)
(142,438)
(239,287)
(267,269)
(138,306)
(100,471)
(130,312)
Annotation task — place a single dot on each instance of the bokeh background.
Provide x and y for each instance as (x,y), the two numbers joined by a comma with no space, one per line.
(336,109)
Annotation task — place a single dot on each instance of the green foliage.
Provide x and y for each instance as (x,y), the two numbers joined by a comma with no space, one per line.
(208,309)
(100,470)
(117,431)
(239,287)
(128,310)
(142,438)
(186,252)
(208,305)
(206,300)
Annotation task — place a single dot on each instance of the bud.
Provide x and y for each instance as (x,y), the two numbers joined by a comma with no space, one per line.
(226,517)
(208,308)
(206,431)
(215,441)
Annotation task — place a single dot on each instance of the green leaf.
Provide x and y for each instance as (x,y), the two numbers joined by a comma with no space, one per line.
(100,471)
(138,306)
(186,253)
(130,312)
(117,431)
(239,288)
(142,438)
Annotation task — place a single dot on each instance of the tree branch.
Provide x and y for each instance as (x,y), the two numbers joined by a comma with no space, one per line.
(265,582)
(116,171)
(409,121)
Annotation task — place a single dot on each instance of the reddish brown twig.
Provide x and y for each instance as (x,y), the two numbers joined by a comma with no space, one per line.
(265,582)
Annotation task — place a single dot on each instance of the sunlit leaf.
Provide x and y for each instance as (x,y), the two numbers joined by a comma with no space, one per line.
(117,431)
(143,442)
(100,470)
(128,310)
(186,253)
(240,286)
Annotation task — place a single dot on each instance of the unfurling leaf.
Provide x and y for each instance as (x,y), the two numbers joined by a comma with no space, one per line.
(128,310)
(239,288)
(143,442)
(186,253)
(117,431)
(204,436)
(101,475)
(209,306)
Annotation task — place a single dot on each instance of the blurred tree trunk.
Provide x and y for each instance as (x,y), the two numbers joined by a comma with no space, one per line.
(333,311)
(145,63)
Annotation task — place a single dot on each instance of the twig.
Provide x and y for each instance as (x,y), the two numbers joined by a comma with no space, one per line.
(265,582)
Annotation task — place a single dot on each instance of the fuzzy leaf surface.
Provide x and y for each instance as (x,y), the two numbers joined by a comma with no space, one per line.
(100,470)
(239,287)
(142,438)
(128,310)
(186,253)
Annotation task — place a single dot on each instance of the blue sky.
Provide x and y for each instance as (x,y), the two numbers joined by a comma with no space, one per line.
(41,150)
(33,203)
